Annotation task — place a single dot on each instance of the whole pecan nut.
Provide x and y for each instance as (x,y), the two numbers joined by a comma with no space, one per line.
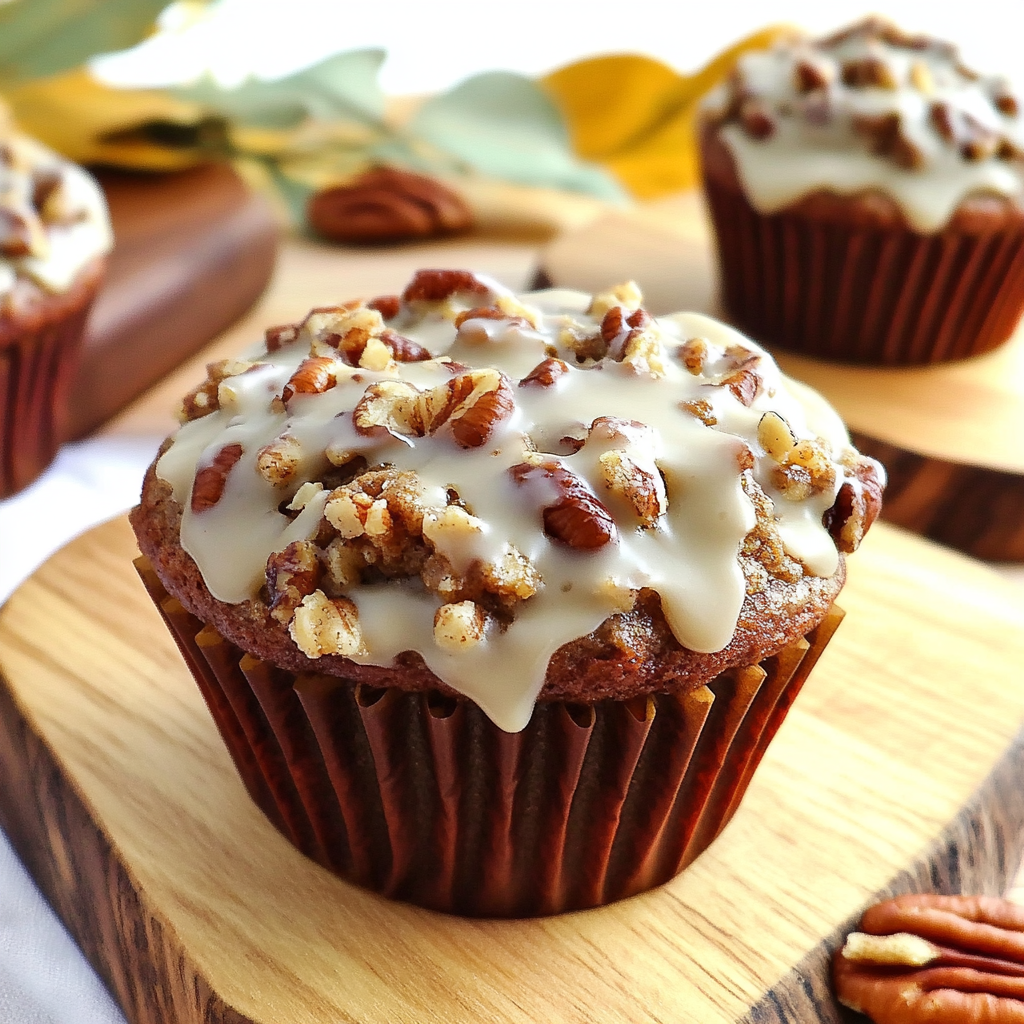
(935,959)
(387,205)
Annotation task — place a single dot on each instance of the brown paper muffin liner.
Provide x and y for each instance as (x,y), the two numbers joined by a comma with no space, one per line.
(422,798)
(37,366)
(862,294)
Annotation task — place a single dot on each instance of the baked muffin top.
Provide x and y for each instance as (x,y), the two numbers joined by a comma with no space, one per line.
(53,218)
(482,478)
(870,108)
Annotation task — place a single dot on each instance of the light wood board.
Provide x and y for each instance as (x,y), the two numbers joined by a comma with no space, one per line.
(897,768)
(951,435)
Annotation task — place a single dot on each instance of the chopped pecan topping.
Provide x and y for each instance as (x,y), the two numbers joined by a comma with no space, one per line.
(885,135)
(1006,103)
(387,305)
(323,625)
(756,119)
(473,405)
(744,384)
(314,376)
(292,574)
(626,294)
(278,461)
(858,502)
(278,337)
(545,374)
(458,627)
(438,285)
(869,72)
(210,481)
(693,354)
(956,959)
(701,408)
(575,517)
(810,75)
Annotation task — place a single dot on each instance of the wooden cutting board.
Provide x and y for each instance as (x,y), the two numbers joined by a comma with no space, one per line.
(951,436)
(898,769)
(193,251)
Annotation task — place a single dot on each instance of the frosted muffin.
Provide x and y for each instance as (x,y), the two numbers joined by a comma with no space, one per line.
(498,600)
(867,193)
(54,234)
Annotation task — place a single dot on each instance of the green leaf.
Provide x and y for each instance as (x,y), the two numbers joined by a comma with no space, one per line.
(39,38)
(504,126)
(342,87)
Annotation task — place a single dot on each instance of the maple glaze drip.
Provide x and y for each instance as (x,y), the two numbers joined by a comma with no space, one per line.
(870,109)
(687,552)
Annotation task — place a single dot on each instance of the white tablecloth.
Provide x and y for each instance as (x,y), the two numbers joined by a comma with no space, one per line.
(44,979)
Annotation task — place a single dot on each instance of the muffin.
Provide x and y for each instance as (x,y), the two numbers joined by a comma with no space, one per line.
(866,193)
(54,234)
(497,601)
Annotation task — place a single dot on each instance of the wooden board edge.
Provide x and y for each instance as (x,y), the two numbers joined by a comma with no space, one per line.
(970,508)
(80,874)
(978,852)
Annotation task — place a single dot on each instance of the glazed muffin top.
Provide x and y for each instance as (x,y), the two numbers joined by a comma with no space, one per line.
(53,218)
(483,478)
(870,108)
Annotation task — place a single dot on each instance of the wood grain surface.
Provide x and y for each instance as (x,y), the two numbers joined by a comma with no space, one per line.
(193,250)
(897,769)
(950,434)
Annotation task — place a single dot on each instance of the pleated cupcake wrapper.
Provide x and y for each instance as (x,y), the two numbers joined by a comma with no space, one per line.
(422,798)
(865,295)
(36,370)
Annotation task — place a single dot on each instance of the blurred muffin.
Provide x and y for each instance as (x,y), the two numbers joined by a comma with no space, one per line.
(497,601)
(54,234)
(866,191)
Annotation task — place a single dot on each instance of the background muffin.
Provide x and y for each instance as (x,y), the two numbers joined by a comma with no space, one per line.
(498,601)
(866,191)
(54,234)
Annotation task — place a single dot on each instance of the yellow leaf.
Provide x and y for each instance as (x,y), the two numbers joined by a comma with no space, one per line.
(73,113)
(637,116)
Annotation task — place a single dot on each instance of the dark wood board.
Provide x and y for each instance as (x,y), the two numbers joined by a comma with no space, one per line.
(193,251)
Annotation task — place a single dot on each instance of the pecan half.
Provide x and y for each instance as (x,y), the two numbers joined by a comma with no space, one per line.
(571,513)
(936,959)
(387,305)
(387,205)
(210,481)
(473,404)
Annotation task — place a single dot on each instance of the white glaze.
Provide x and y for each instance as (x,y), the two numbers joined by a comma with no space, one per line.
(62,247)
(802,156)
(690,556)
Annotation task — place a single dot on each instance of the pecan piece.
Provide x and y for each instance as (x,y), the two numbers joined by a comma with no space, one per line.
(210,481)
(387,205)
(545,374)
(292,574)
(858,502)
(574,516)
(313,376)
(756,120)
(15,233)
(278,337)
(809,75)
(744,384)
(869,72)
(387,305)
(472,404)
(942,959)
(1006,103)
(438,285)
